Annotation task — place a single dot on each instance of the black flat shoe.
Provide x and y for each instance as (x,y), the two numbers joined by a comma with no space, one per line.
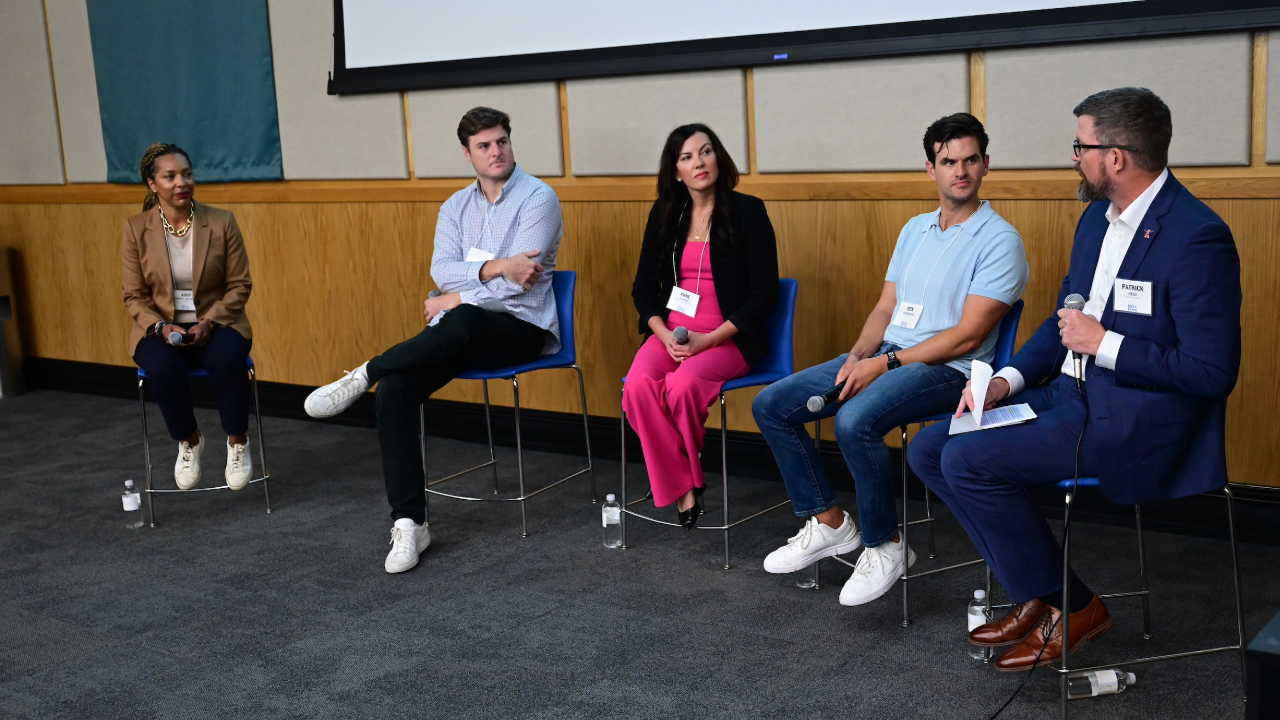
(689,518)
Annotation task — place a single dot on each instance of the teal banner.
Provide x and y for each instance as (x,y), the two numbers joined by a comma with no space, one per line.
(197,74)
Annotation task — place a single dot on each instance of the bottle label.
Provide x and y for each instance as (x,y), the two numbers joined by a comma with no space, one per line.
(610,516)
(131,501)
(977,618)
(1105,682)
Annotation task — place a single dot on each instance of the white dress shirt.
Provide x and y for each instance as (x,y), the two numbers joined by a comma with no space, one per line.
(1123,226)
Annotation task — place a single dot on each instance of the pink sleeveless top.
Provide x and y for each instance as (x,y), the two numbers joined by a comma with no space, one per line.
(708,314)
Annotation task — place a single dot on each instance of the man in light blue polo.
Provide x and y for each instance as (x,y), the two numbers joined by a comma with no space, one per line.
(954,274)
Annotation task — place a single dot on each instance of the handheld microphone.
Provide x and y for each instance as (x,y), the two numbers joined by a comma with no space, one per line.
(433,294)
(818,402)
(175,338)
(1075,301)
(681,334)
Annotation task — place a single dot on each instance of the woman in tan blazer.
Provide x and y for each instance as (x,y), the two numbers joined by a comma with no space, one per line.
(186,280)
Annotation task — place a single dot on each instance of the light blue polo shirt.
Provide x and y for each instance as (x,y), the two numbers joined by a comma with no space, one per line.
(981,256)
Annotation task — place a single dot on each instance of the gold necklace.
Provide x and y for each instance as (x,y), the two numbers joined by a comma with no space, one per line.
(698,237)
(169,228)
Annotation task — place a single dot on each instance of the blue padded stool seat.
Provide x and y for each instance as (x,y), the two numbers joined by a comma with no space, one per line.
(200,372)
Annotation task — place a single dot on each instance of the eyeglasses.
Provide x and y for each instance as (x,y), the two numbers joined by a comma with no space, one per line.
(1077,147)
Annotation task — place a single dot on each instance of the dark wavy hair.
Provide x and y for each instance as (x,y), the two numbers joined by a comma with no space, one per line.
(1132,116)
(673,196)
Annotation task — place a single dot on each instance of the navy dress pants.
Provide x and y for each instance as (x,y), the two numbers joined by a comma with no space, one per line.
(167,367)
(983,477)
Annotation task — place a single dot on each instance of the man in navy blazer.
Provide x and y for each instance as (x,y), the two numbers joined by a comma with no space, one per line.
(1159,338)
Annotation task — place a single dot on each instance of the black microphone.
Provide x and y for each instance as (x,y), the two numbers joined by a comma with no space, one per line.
(433,294)
(1075,301)
(681,334)
(818,402)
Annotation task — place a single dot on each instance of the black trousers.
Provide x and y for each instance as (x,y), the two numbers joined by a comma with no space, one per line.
(466,338)
(167,367)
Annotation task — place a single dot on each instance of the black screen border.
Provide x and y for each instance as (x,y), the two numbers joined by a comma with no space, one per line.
(1146,18)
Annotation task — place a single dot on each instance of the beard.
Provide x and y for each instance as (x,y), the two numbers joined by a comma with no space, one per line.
(1093,192)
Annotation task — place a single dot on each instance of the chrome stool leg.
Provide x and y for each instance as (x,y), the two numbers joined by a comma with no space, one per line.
(724,476)
(488,426)
(928,512)
(906,549)
(586,433)
(1235,574)
(1142,576)
(146,450)
(622,424)
(515,392)
(426,484)
(1066,600)
(262,446)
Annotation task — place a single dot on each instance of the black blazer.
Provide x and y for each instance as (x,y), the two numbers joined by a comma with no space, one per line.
(746,277)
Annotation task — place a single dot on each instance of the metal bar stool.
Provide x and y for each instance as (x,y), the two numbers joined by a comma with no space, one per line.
(149,488)
(1071,486)
(563,284)
(1004,352)
(778,364)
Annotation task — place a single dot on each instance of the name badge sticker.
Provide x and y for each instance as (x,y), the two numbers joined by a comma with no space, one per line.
(1132,296)
(683,301)
(184,300)
(478,255)
(908,315)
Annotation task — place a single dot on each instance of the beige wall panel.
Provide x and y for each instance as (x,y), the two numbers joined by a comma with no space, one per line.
(617,125)
(1204,80)
(30,151)
(863,115)
(77,86)
(535,127)
(327,136)
(1273,96)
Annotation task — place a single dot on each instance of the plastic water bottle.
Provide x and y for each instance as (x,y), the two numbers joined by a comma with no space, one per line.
(978,617)
(810,576)
(611,518)
(1098,682)
(132,501)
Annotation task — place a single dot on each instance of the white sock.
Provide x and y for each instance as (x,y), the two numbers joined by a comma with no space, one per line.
(406,524)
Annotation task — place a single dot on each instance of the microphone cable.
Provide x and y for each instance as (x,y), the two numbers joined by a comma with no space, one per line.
(1066,527)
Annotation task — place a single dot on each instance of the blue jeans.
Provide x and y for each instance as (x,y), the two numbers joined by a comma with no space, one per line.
(896,398)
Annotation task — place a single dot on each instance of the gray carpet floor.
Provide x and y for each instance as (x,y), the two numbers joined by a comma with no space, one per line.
(225,611)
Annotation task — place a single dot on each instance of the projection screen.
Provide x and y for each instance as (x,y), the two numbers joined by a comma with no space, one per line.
(382,45)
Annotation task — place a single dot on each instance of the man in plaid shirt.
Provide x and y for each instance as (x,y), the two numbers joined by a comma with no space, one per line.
(495,252)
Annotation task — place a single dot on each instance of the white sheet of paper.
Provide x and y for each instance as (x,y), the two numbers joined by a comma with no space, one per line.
(995,417)
(478,255)
(979,379)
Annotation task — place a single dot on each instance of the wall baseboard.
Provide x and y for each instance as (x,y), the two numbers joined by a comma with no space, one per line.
(749,455)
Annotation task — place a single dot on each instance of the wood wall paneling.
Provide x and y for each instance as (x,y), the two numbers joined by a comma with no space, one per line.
(335,283)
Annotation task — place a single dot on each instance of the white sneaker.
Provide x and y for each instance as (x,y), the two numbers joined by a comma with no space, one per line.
(186,471)
(814,542)
(239,465)
(877,570)
(337,396)
(408,540)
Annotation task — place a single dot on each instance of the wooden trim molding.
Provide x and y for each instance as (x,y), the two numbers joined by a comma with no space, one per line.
(1254,182)
(1258,146)
(978,85)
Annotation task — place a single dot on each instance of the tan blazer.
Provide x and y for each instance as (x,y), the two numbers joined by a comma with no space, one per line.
(219,271)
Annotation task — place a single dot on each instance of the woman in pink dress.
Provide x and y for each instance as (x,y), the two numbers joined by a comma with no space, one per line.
(709,264)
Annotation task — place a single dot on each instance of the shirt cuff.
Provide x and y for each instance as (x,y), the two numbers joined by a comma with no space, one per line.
(473,272)
(1014,378)
(1108,350)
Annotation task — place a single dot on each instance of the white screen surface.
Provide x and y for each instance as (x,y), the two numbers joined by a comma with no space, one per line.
(383,33)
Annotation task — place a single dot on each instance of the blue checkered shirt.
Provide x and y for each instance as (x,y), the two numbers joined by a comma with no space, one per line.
(525,217)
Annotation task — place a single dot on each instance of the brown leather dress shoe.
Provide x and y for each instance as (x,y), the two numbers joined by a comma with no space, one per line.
(1086,625)
(1010,629)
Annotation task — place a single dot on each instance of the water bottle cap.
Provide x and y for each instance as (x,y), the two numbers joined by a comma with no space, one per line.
(609,497)
(979,594)
(128,483)
(1130,678)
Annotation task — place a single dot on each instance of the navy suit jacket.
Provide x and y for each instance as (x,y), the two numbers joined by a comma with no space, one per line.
(1159,418)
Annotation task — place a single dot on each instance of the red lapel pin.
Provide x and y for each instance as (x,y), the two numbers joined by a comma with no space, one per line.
(1147,236)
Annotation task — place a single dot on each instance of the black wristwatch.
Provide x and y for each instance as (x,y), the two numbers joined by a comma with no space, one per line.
(894,362)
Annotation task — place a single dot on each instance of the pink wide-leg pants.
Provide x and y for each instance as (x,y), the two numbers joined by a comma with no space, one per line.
(666,403)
